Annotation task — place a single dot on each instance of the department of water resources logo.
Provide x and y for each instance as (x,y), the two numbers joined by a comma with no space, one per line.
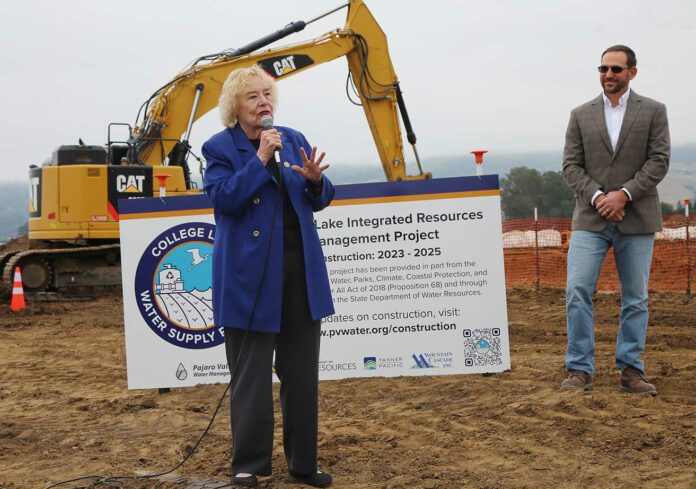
(173,286)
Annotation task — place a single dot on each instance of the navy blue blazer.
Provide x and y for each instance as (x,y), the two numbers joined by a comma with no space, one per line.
(244,196)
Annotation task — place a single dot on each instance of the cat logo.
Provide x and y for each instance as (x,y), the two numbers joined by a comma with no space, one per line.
(284,65)
(130,183)
(278,66)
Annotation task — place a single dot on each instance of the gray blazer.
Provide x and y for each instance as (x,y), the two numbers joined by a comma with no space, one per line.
(639,163)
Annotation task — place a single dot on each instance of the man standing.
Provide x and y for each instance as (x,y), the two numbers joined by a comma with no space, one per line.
(616,152)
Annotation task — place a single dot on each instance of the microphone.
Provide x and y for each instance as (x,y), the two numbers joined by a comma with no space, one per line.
(267,123)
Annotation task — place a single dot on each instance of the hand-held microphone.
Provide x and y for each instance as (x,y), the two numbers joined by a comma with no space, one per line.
(267,123)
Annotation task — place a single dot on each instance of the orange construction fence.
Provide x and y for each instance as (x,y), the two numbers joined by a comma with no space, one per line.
(535,255)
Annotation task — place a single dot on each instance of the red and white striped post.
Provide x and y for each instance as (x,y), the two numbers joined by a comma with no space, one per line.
(478,158)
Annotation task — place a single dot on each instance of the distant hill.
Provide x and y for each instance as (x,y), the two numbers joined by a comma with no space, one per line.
(684,152)
(679,184)
(14,198)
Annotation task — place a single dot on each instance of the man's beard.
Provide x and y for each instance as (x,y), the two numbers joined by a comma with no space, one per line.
(618,86)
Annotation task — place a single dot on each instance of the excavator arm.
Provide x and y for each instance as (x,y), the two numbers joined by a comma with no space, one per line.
(172,110)
(73,225)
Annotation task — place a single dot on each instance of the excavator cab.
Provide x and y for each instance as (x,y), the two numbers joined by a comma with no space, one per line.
(119,150)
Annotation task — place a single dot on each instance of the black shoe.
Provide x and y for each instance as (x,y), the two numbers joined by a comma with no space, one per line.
(318,479)
(246,481)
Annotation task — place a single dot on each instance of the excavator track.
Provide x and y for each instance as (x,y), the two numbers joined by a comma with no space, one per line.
(78,271)
(5,257)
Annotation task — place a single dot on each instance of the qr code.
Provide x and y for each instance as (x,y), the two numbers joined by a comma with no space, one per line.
(482,347)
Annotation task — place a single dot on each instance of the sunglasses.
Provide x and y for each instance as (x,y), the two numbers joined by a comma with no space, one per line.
(614,69)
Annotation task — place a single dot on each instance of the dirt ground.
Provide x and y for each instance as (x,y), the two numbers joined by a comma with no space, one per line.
(65,411)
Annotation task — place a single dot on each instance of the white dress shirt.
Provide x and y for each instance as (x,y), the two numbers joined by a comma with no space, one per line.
(613,116)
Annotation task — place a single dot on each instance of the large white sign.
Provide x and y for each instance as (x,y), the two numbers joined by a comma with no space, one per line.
(416,273)
(417,279)
(166,260)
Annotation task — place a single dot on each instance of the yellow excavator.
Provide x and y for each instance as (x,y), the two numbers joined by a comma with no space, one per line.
(73,225)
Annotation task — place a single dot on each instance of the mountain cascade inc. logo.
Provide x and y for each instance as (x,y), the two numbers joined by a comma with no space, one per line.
(173,286)
(420,361)
(440,359)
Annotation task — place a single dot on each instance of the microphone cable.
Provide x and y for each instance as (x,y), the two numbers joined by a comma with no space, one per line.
(118,481)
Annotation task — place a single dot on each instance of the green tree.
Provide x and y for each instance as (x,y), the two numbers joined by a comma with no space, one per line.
(14,197)
(556,198)
(667,208)
(524,188)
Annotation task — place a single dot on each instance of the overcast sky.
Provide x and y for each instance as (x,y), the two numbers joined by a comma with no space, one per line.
(500,75)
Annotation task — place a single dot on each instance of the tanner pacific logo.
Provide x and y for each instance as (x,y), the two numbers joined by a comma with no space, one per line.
(173,286)
(374,363)
(370,363)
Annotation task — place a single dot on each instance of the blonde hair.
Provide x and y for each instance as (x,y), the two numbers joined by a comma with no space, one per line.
(238,82)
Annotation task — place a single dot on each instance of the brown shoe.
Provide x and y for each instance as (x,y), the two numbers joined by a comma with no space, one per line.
(577,380)
(633,381)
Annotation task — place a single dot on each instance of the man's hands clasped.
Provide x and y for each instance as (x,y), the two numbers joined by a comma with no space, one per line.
(612,206)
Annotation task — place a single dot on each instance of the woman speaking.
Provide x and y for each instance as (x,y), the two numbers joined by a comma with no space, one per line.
(270,285)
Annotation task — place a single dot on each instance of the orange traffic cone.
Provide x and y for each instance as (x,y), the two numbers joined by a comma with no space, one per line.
(17,303)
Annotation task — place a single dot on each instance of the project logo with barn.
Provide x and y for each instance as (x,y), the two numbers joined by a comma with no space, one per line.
(173,286)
